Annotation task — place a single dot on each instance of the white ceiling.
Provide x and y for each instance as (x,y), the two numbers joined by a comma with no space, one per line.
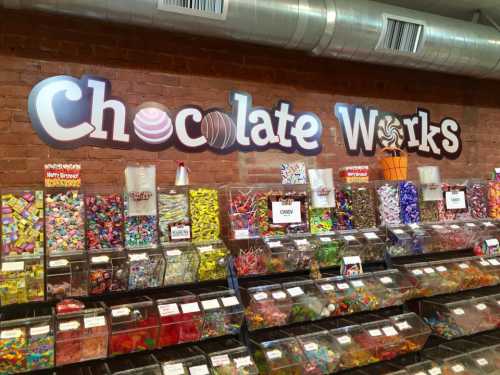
(462,9)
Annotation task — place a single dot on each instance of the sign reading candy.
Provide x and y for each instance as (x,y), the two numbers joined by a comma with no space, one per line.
(68,112)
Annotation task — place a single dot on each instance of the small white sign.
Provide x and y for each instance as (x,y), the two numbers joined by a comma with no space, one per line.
(243,362)
(438,227)
(58,263)
(463,266)
(357,283)
(220,360)
(301,242)
(417,272)
(349,238)
(138,257)
(167,310)
(260,296)
(241,234)
(94,321)
(390,331)
(180,232)
(284,213)
(199,370)
(482,361)
(325,239)
(455,200)
(454,226)
(492,242)
(435,371)
(99,259)
(398,231)
(69,326)
(342,286)
(458,368)
(371,236)
(273,354)
(279,295)
(458,311)
(441,269)
(173,369)
(230,301)
(311,347)
(403,326)
(12,266)
(41,330)
(343,340)
(429,270)
(375,332)
(188,308)
(414,226)
(174,253)
(11,334)
(122,311)
(386,280)
(470,225)
(204,249)
(481,306)
(295,292)
(210,304)
(494,262)
(327,287)
(274,244)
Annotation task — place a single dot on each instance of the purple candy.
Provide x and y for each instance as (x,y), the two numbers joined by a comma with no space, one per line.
(408,202)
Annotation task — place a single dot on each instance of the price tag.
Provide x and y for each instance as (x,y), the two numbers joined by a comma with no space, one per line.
(357,283)
(435,371)
(138,257)
(403,326)
(243,362)
(343,340)
(414,226)
(284,213)
(463,266)
(273,354)
(11,334)
(204,249)
(240,234)
(429,270)
(41,330)
(260,296)
(470,225)
(441,269)
(311,347)
(481,306)
(167,310)
(180,232)
(398,231)
(69,326)
(458,311)
(274,244)
(488,224)
(12,266)
(279,295)
(420,373)
(375,332)
(342,286)
(199,370)
(210,304)
(230,301)
(325,239)
(482,361)
(454,226)
(94,321)
(438,227)
(491,242)
(58,263)
(173,253)
(494,262)
(190,307)
(455,200)
(327,287)
(301,242)
(122,311)
(296,291)
(220,360)
(417,272)
(371,236)
(173,369)
(99,259)
(484,263)
(458,368)
(386,280)
(390,331)
(349,238)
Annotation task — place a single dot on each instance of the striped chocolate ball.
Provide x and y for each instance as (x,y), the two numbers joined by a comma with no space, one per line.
(219,130)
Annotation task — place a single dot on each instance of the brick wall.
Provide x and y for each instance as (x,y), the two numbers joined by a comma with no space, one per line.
(176,70)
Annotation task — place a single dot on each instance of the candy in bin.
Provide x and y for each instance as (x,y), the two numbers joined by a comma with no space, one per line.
(374,244)
(229,357)
(494,199)
(182,262)
(346,300)
(244,211)
(477,199)
(421,239)
(400,242)
(396,288)
(488,312)
(281,257)
(146,269)
(408,202)
(354,352)
(140,231)
(303,252)
(223,313)
(204,212)
(251,257)
(108,272)
(328,250)
(67,276)
(388,199)
(344,210)
(363,207)
(213,258)
(471,275)
(187,360)
(382,336)
(22,280)
(412,330)
(22,223)
(351,244)
(460,364)
(454,203)
(490,267)
(425,280)
(307,301)
(173,215)
(320,220)
(461,235)
(367,291)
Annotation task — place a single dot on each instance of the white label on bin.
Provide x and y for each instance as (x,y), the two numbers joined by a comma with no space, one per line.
(286,213)
(138,257)
(310,347)
(349,238)
(180,232)
(167,310)
(390,331)
(403,326)
(414,226)
(482,361)
(11,334)
(274,244)
(327,287)
(173,253)
(463,266)
(454,226)
(122,311)
(494,262)
(375,332)
(296,291)
(325,239)
(220,360)
(343,340)
(58,263)
(398,231)
(190,307)
(279,295)
(94,321)
(204,249)
(210,304)
(458,368)
(488,224)
(481,306)
(429,270)
(12,266)
(342,286)
(441,269)
(386,280)
(273,354)
(458,311)
(435,371)
(417,272)
(42,330)
(484,263)
(472,225)
(243,362)
(199,370)
(437,226)
(492,242)
(357,283)
(69,326)
(420,373)
(455,200)
(260,296)
(240,234)
(371,236)
(173,369)
(302,242)
(230,301)
(99,259)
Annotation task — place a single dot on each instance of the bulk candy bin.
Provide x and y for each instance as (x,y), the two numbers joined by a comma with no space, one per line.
(146,269)
(421,239)
(328,250)
(26,341)
(229,357)
(307,301)
(138,364)
(108,272)
(22,280)
(400,242)
(182,263)
(67,276)
(183,361)
(303,252)
(223,313)
(140,231)
(487,360)
(245,216)
(354,353)
(280,259)
(250,257)
(134,325)
(426,280)
(397,288)
(81,332)
(205,214)
(173,215)
(412,330)
(382,336)
(181,319)
(213,261)
(374,244)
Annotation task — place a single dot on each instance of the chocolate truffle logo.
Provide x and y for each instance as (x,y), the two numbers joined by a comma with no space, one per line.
(67,113)
(364,127)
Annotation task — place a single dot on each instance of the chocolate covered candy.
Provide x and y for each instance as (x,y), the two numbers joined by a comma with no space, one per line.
(219,130)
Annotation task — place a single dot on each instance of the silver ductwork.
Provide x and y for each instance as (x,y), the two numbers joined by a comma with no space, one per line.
(359,30)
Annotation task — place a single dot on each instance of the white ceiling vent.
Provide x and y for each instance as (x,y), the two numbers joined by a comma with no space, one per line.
(401,35)
(201,8)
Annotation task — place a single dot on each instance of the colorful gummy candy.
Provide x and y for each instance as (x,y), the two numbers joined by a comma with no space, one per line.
(344,210)
(40,350)
(104,215)
(204,210)
(408,202)
(141,337)
(22,223)
(173,210)
(64,224)
(251,261)
(267,313)
(289,361)
(13,351)
(180,323)
(328,252)
(320,220)
(322,355)
(363,208)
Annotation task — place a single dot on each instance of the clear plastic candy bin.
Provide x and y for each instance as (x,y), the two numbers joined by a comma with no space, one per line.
(307,301)
(22,280)
(223,313)
(146,269)
(67,276)
(229,357)
(108,272)
(280,250)
(182,263)
(183,361)
(138,364)
(213,261)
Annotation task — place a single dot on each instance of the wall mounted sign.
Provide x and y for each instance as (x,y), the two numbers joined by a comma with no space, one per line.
(67,113)
(363,128)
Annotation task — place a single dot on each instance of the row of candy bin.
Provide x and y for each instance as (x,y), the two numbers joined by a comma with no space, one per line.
(452,275)
(337,345)
(273,305)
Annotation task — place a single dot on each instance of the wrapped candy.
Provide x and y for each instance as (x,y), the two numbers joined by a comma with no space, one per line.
(389,210)
(108,272)
(182,262)
(146,270)
(477,199)
(363,207)
(104,214)
(344,211)
(213,261)
(281,356)
(408,202)
(204,209)
(22,281)
(244,212)
(448,213)
(22,223)
(173,213)
(223,313)
(67,276)
(140,231)
(251,258)
(428,211)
